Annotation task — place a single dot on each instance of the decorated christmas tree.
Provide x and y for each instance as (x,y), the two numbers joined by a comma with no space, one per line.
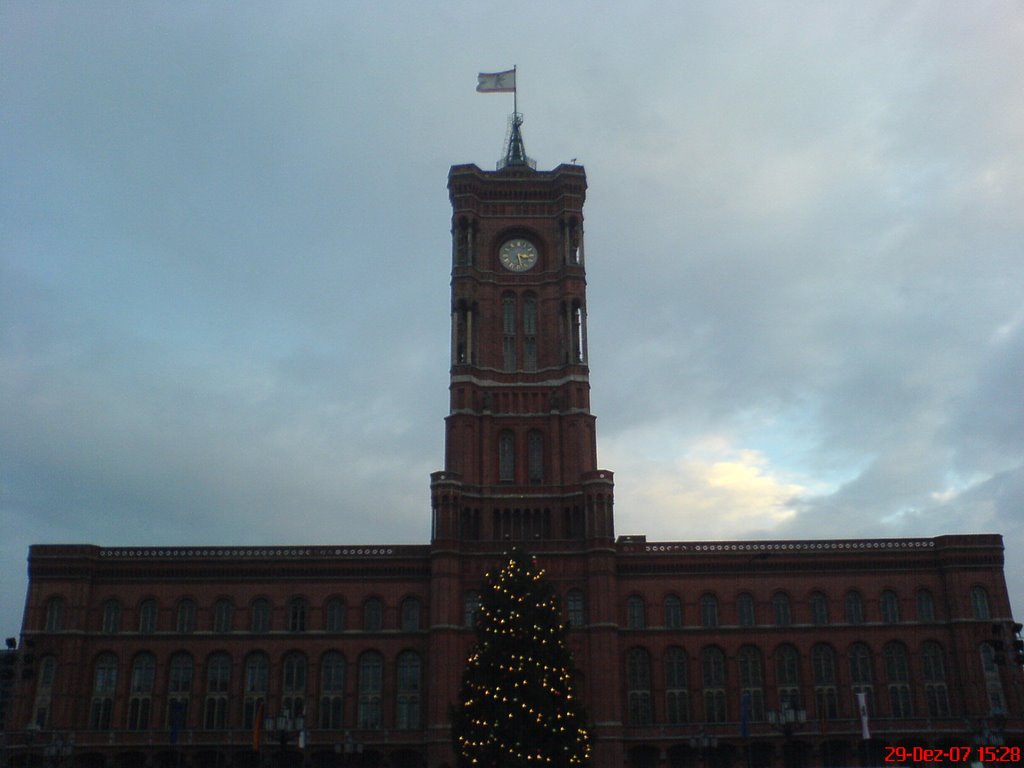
(518,706)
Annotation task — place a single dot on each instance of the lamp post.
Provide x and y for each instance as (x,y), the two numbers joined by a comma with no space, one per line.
(703,742)
(284,728)
(352,751)
(787,721)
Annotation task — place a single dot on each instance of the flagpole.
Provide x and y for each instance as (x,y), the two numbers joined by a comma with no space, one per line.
(515,92)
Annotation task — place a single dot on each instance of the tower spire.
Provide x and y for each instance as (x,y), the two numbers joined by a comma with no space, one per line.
(515,149)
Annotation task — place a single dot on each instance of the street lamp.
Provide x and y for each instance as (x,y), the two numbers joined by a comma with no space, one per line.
(704,742)
(284,728)
(787,721)
(352,750)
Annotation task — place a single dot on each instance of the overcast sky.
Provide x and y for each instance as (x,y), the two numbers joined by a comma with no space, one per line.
(224,263)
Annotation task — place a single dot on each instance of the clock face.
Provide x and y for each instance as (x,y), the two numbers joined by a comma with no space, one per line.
(518,255)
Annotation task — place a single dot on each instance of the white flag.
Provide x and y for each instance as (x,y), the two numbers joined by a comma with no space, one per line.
(862,707)
(496,82)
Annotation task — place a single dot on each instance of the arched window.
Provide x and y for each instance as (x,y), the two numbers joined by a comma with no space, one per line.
(993,680)
(638,684)
(147,617)
(712,665)
(787,676)
(223,616)
(708,611)
(410,614)
(508,330)
(677,695)
(111,617)
(530,332)
(979,603)
(103,690)
(140,696)
(260,619)
(897,672)
(55,614)
(854,607)
(470,608)
(819,609)
(673,612)
(781,609)
(44,692)
(257,675)
(576,608)
(334,615)
(890,607)
(293,684)
(373,615)
(218,686)
(297,615)
(371,684)
(823,662)
(745,610)
(535,456)
(506,457)
(751,668)
(636,613)
(861,674)
(179,690)
(407,714)
(332,690)
(933,663)
(925,606)
(186,617)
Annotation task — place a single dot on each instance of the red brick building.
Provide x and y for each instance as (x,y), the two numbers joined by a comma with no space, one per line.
(692,653)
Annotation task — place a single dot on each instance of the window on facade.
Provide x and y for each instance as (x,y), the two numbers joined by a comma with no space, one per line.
(334,615)
(823,664)
(44,692)
(575,608)
(147,617)
(293,684)
(179,690)
(530,333)
(751,669)
(861,675)
(508,329)
(260,616)
(55,614)
(103,690)
(993,680)
(781,609)
(371,684)
(186,617)
(979,604)
(506,457)
(890,607)
(897,672)
(257,676)
(111,617)
(673,612)
(410,614)
(925,606)
(297,615)
(470,608)
(407,713)
(677,695)
(638,686)
(933,663)
(745,610)
(223,616)
(373,615)
(218,686)
(535,456)
(140,696)
(332,690)
(636,613)
(854,607)
(819,609)
(708,611)
(787,676)
(712,667)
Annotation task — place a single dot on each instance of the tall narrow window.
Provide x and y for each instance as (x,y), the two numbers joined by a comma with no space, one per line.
(979,603)
(140,696)
(781,608)
(293,684)
(407,713)
(506,457)
(575,608)
(861,673)
(708,611)
(218,686)
(751,667)
(535,456)
(179,690)
(297,615)
(819,609)
(925,606)
(787,676)
(638,684)
(371,685)
(823,662)
(854,607)
(44,692)
(890,607)
(508,331)
(186,619)
(530,332)
(223,616)
(103,689)
(636,613)
(111,617)
(147,617)
(993,680)
(712,663)
(897,672)
(260,618)
(578,335)
(673,612)
(54,614)
(373,615)
(470,608)
(410,614)
(332,690)
(745,610)
(257,675)
(334,615)
(677,695)
(933,662)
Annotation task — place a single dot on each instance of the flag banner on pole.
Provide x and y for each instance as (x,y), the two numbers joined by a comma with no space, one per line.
(745,714)
(862,707)
(257,727)
(496,82)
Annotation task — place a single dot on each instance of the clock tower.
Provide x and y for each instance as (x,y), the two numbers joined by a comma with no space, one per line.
(520,441)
